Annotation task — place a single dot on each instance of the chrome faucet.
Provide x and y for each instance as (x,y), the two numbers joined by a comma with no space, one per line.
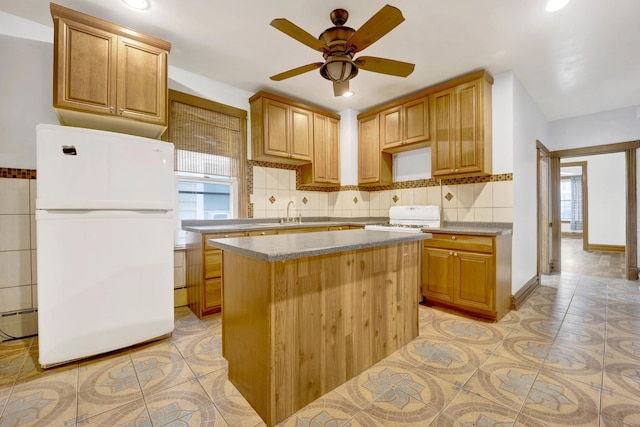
(289,219)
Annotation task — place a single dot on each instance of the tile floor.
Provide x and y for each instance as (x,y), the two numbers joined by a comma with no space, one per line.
(569,356)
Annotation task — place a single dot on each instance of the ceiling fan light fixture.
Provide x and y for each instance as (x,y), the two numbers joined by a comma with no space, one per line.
(339,68)
(554,5)
(347,94)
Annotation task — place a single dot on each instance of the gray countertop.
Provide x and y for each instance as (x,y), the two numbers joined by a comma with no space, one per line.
(479,228)
(229,226)
(282,247)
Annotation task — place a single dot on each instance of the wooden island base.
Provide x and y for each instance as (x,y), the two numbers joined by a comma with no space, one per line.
(294,330)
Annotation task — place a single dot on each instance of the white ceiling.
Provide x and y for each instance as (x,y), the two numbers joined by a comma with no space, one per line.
(579,60)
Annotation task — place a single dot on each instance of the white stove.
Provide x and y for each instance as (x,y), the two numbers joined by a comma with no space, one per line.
(410,219)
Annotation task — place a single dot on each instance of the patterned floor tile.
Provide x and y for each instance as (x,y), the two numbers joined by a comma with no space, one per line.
(332,409)
(622,376)
(160,367)
(503,382)
(449,360)
(204,342)
(184,404)
(46,402)
(228,400)
(622,325)
(576,363)
(130,414)
(470,409)
(106,384)
(619,411)
(554,400)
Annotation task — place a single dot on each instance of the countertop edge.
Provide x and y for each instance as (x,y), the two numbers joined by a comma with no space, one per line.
(235,244)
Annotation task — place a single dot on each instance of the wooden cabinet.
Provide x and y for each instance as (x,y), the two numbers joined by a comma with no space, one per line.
(374,166)
(325,168)
(204,273)
(461,136)
(108,77)
(469,273)
(282,131)
(204,277)
(406,126)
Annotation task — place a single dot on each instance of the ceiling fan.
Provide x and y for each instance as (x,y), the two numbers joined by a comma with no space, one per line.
(339,44)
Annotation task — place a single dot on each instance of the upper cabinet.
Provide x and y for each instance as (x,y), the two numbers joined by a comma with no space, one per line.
(325,168)
(406,126)
(108,77)
(374,166)
(453,118)
(286,131)
(461,121)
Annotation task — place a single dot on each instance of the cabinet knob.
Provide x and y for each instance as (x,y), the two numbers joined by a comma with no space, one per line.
(455,254)
(457,170)
(111,109)
(453,237)
(263,234)
(226,235)
(121,110)
(450,253)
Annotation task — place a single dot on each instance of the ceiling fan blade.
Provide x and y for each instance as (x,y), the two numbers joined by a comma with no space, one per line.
(340,88)
(296,71)
(385,66)
(385,20)
(292,30)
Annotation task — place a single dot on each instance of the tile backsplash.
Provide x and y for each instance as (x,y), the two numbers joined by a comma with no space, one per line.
(490,200)
(18,281)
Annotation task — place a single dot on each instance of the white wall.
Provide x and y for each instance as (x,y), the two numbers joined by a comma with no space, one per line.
(528,125)
(349,147)
(26,87)
(606,127)
(606,196)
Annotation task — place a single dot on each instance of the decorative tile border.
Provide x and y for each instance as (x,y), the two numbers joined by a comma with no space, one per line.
(17,173)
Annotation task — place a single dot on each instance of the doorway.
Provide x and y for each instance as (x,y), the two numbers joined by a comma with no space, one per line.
(552,254)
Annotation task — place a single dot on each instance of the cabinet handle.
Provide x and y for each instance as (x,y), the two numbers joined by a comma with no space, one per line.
(263,234)
(111,109)
(121,110)
(450,253)
(226,235)
(455,254)
(453,237)
(457,170)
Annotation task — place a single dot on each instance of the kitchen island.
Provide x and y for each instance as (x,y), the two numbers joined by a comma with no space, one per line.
(303,313)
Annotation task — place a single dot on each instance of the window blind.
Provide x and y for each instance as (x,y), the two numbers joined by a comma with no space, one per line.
(206,141)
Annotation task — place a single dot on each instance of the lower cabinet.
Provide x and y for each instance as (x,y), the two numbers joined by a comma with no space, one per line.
(204,266)
(469,273)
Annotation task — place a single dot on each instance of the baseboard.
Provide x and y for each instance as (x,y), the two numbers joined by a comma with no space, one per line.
(524,292)
(605,248)
(571,235)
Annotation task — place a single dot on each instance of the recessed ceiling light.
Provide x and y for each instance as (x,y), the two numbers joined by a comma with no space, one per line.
(137,4)
(347,94)
(553,5)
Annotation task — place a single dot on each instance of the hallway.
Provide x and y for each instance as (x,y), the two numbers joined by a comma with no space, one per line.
(591,263)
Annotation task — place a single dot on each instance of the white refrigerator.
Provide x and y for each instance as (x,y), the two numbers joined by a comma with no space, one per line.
(104,236)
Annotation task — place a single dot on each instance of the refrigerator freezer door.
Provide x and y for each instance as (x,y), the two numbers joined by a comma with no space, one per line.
(90,169)
(104,281)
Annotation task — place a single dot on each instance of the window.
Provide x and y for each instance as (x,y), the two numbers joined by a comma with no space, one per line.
(210,157)
(565,199)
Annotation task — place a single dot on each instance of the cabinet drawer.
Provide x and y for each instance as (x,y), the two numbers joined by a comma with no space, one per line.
(212,263)
(212,293)
(220,236)
(460,242)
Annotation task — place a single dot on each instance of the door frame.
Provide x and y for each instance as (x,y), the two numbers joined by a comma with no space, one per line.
(585,201)
(631,211)
(543,173)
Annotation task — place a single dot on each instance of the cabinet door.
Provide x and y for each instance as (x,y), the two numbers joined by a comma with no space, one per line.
(391,128)
(333,151)
(415,116)
(443,138)
(301,134)
(85,68)
(469,142)
(474,282)
(276,128)
(437,274)
(142,81)
(368,150)
(212,296)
